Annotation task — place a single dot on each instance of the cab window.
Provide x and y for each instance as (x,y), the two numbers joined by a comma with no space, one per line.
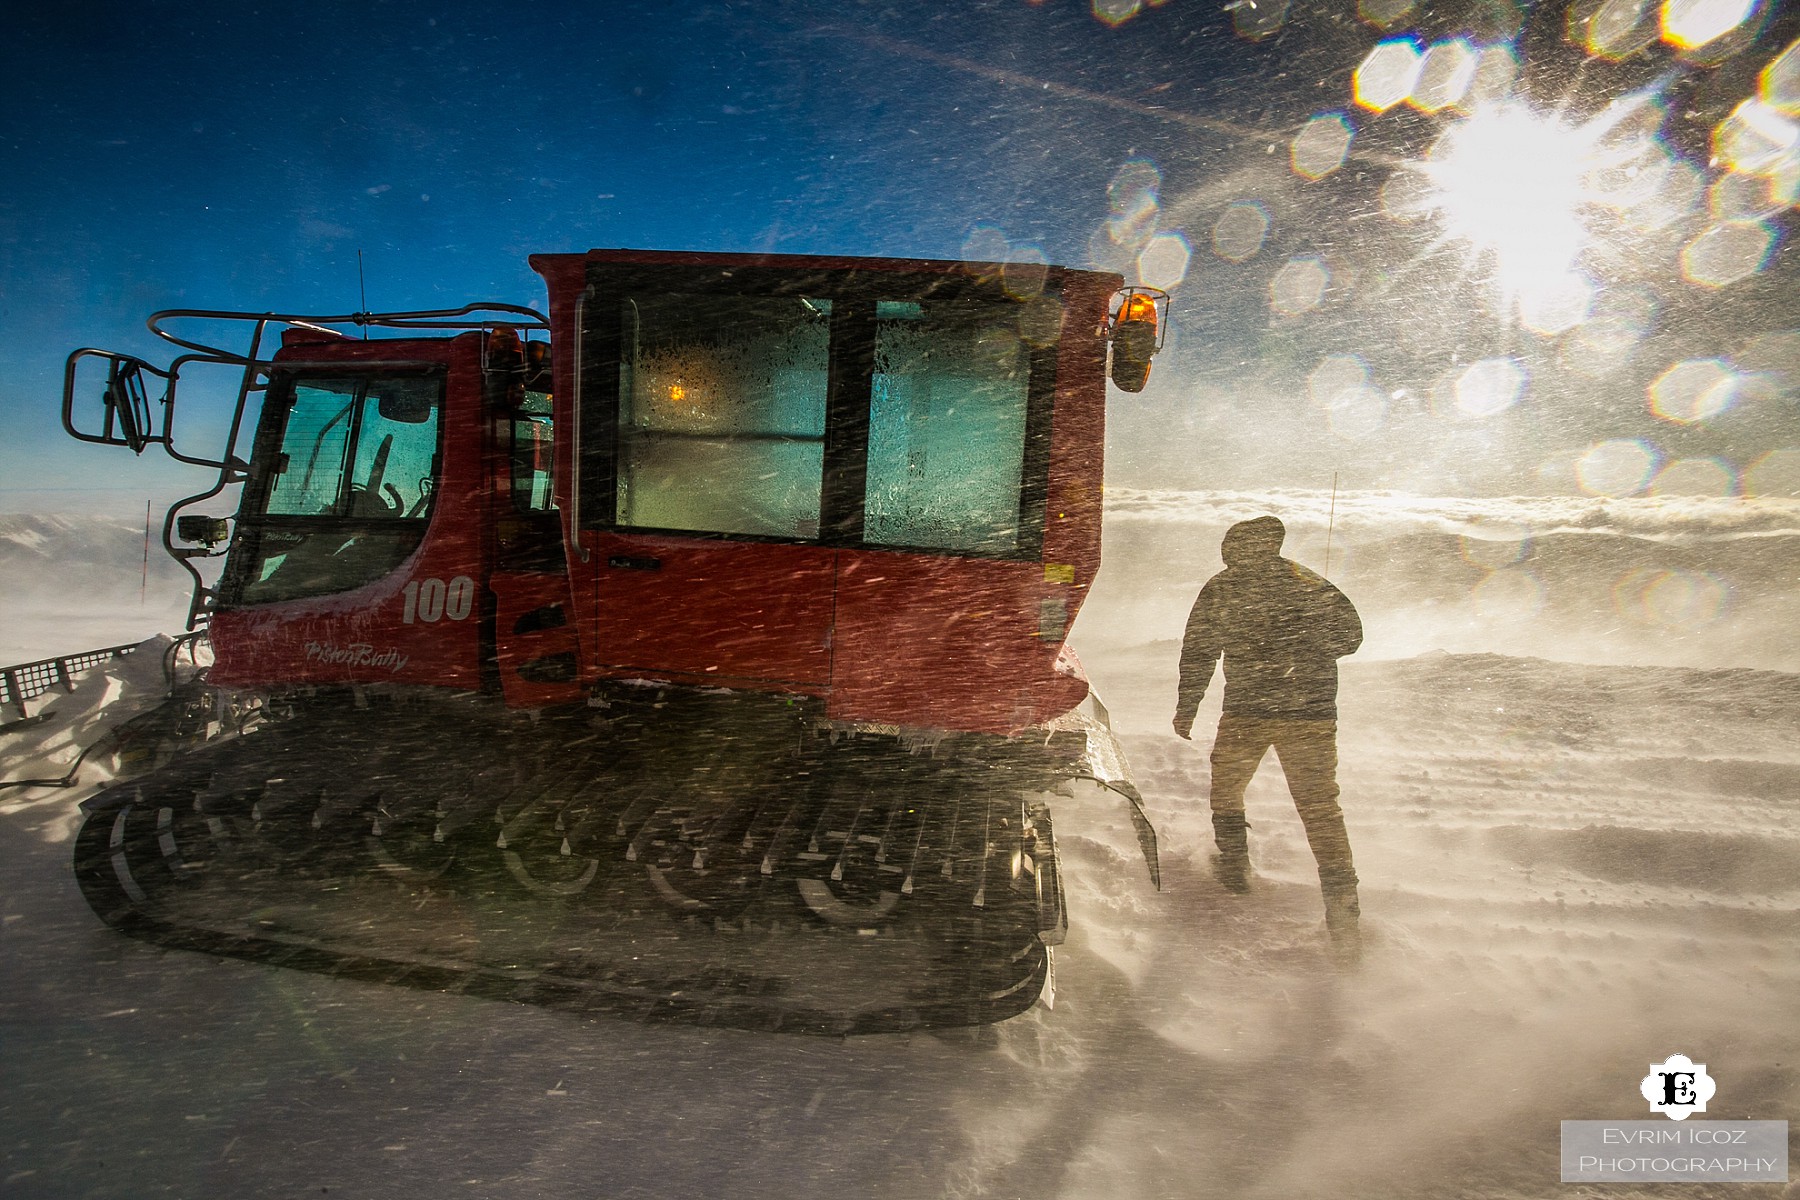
(721,423)
(351,467)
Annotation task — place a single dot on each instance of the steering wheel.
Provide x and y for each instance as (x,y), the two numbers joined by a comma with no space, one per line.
(366,499)
(365,504)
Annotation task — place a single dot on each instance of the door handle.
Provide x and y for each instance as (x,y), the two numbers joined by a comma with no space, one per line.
(627,562)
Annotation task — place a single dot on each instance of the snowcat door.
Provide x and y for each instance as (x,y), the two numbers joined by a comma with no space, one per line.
(536,651)
(703,468)
(353,559)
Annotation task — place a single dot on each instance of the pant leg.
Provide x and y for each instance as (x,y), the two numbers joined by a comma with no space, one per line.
(1237,749)
(1307,751)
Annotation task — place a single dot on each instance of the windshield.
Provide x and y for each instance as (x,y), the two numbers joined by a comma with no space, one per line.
(350,469)
(357,448)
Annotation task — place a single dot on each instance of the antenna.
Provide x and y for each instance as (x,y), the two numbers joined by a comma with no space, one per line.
(144,586)
(362,290)
(1330,522)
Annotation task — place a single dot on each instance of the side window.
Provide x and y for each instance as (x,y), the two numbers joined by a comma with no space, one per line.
(947,422)
(533,452)
(396,450)
(310,469)
(722,413)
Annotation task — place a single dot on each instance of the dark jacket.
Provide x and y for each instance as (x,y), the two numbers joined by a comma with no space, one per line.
(1279,627)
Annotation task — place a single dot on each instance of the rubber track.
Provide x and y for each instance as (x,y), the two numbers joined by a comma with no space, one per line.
(712,998)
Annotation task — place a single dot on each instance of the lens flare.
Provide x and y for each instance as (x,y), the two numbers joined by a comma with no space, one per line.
(1738,197)
(1163,262)
(1695,477)
(1489,387)
(1133,203)
(1445,76)
(1115,12)
(1383,14)
(1387,75)
(1755,137)
(1498,548)
(986,243)
(1679,196)
(1496,70)
(1679,600)
(1727,251)
(1024,272)
(1321,146)
(1239,232)
(1299,286)
(1613,29)
(1556,305)
(1336,376)
(1692,391)
(1690,24)
(1776,473)
(1779,84)
(1255,20)
(1620,467)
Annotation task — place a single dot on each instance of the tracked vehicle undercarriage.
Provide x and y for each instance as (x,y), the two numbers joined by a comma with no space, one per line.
(759,869)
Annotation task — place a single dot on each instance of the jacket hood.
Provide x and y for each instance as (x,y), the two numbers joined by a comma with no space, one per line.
(1248,542)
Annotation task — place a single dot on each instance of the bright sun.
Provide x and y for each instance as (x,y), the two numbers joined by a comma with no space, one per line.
(1510,183)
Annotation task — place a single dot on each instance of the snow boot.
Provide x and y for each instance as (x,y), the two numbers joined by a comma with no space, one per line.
(1230,833)
(1343,922)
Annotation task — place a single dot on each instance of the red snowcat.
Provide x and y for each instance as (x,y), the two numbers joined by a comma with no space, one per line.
(696,652)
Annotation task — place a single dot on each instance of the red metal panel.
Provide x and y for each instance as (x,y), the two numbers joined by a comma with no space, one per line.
(948,643)
(722,610)
(1078,433)
(527,646)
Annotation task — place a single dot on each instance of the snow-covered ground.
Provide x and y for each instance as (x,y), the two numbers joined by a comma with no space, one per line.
(1572,796)
(75,583)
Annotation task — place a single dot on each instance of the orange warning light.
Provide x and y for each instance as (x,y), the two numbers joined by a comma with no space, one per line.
(1139,307)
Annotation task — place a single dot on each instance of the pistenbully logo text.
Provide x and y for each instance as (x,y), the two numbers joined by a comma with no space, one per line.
(1678,1087)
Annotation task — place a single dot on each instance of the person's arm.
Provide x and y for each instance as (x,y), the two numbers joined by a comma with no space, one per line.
(1201,646)
(1340,627)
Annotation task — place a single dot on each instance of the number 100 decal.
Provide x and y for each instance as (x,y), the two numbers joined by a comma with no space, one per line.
(431,600)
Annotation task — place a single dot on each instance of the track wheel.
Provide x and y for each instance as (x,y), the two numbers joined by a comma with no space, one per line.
(103,869)
(855,893)
(539,855)
(181,837)
(407,842)
(863,876)
(686,884)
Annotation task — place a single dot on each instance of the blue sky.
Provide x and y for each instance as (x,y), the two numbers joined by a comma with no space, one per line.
(230,156)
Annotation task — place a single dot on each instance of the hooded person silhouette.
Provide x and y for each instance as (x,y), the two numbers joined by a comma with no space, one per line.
(1280,630)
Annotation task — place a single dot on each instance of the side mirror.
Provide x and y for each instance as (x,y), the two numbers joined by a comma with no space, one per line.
(404,408)
(128,405)
(207,531)
(1135,330)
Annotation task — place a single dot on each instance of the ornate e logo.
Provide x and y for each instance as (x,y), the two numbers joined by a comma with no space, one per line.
(1678,1088)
